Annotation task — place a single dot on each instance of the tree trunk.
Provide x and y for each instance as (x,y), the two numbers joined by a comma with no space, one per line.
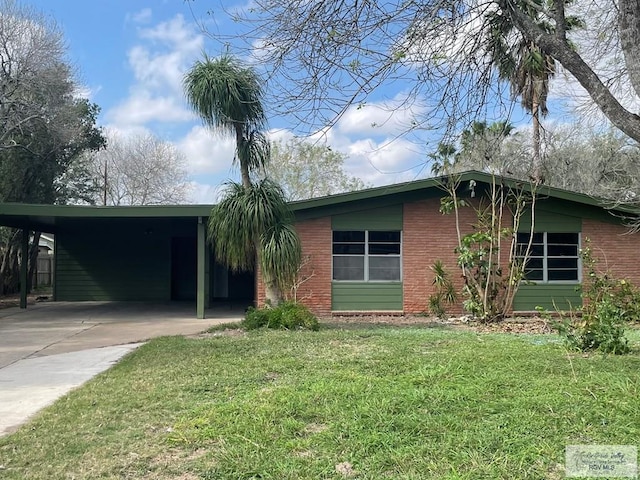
(536,163)
(33,261)
(565,53)
(272,293)
(244,166)
(9,266)
(629,31)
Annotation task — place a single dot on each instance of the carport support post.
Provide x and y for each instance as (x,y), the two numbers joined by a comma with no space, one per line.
(201,259)
(24,267)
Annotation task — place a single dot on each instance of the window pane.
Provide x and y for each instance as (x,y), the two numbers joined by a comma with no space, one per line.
(384,268)
(562,250)
(384,237)
(384,249)
(536,250)
(348,236)
(533,275)
(535,263)
(348,268)
(348,248)
(562,275)
(563,238)
(524,237)
(562,263)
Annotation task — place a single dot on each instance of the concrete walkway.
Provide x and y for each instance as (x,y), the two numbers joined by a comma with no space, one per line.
(51,348)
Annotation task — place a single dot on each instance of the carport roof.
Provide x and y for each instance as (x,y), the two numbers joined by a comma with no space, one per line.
(46,218)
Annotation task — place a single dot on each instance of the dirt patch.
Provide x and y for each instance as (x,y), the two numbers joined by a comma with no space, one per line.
(13,300)
(508,325)
(227,332)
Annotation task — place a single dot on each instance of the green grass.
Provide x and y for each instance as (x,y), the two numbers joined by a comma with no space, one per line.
(399,403)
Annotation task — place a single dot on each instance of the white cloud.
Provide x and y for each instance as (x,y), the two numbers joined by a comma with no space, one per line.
(207,153)
(380,118)
(141,108)
(164,53)
(203,194)
(142,16)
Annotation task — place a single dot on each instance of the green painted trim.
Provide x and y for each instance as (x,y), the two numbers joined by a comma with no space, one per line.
(366,296)
(90,211)
(201,277)
(24,268)
(436,183)
(531,296)
(384,218)
(554,221)
(45,217)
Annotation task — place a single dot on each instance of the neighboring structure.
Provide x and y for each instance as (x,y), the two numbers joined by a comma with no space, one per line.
(43,274)
(365,251)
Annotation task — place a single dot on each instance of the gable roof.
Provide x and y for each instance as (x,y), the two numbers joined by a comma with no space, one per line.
(47,217)
(417,188)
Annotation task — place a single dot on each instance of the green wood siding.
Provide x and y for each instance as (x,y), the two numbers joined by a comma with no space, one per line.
(383,218)
(124,262)
(550,221)
(544,295)
(550,217)
(363,296)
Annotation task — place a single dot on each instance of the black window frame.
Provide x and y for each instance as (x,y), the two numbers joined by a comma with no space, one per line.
(550,254)
(383,244)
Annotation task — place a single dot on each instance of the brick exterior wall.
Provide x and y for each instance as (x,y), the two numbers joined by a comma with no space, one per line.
(315,289)
(614,248)
(428,235)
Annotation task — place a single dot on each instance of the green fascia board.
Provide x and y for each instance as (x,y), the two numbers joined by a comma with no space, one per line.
(433,187)
(44,216)
(47,217)
(75,211)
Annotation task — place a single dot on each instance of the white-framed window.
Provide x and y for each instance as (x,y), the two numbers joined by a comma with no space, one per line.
(367,255)
(554,257)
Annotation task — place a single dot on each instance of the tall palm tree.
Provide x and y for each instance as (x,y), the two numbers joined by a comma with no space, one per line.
(528,70)
(228,98)
(252,220)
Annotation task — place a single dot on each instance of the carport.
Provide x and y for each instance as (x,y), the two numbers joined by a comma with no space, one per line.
(130,253)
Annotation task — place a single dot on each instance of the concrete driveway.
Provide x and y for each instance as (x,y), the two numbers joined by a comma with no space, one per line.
(50,348)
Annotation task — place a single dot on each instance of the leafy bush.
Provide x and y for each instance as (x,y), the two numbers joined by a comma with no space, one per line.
(445,292)
(603,331)
(608,305)
(288,315)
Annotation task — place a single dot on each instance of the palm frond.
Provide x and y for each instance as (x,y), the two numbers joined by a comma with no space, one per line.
(225,94)
(230,232)
(281,254)
(254,151)
(241,222)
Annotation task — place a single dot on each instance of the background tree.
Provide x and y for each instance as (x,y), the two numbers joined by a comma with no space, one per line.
(323,57)
(527,69)
(44,127)
(307,170)
(252,219)
(604,164)
(138,170)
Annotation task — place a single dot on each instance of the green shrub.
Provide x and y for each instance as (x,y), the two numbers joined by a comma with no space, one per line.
(288,315)
(608,305)
(445,292)
(602,331)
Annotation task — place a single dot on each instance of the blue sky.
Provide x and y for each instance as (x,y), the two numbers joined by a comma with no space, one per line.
(131,56)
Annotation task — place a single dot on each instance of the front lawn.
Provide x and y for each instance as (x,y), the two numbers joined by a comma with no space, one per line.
(364,402)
